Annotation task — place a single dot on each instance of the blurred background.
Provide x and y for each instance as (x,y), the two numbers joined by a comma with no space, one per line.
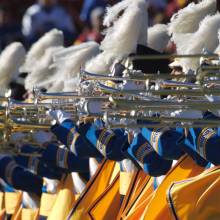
(80,20)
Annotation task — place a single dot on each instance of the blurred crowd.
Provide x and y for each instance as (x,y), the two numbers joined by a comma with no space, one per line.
(80,20)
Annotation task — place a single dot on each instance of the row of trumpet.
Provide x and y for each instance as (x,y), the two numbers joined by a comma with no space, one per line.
(150,102)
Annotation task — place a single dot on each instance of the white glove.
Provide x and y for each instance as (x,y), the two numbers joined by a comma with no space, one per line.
(191,114)
(93,107)
(59,116)
(89,106)
(42,137)
(17,137)
(51,185)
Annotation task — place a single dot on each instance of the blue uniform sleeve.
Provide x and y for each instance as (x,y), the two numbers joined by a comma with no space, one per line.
(165,141)
(205,142)
(74,138)
(65,159)
(142,153)
(19,177)
(39,168)
(110,143)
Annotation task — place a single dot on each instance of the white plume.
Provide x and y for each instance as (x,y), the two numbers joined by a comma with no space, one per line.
(53,38)
(66,52)
(187,19)
(11,58)
(74,57)
(217,50)
(206,37)
(158,37)
(71,85)
(122,37)
(93,166)
(41,72)
(56,87)
(100,64)
(113,12)
(68,67)
(130,29)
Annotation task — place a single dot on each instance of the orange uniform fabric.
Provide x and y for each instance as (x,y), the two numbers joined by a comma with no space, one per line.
(108,204)
(144,194)
(47,203)
(94,189)
(158,208)
(12,202)
(64,201)
(197,197)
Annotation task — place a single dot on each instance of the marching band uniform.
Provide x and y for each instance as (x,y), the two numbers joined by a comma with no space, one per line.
(18,177)
(199,191)
(37,167)
(172,143)
(186,189)
(113,145)
(144,155)
(52,158)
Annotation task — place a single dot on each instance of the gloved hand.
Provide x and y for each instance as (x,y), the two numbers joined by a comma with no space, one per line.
(51,185)
(90,106)
(17,137)
(42,137)
(192,114)
(59,116)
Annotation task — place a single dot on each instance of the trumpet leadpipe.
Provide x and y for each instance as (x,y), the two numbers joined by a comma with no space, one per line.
(164,119)
(173,56)
(185,92)
(67,96)
(146,76)
(162,105)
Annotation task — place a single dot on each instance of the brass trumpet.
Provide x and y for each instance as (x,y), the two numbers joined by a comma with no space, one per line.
(140,121)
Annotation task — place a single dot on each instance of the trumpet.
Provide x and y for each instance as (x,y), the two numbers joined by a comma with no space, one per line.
(173,56)
(27,116)
(67,96)
(141,121)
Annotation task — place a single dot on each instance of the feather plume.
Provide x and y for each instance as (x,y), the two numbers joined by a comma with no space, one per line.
(206,37)
(71,85)
(41,72)
(68,68)
(56,87)
(121,40)
(187,19)
(217,50)
(78,183)
(99,64)
(158,37)
(112,13)
(67,52)
(53,38)
(11,59)
(75,55)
